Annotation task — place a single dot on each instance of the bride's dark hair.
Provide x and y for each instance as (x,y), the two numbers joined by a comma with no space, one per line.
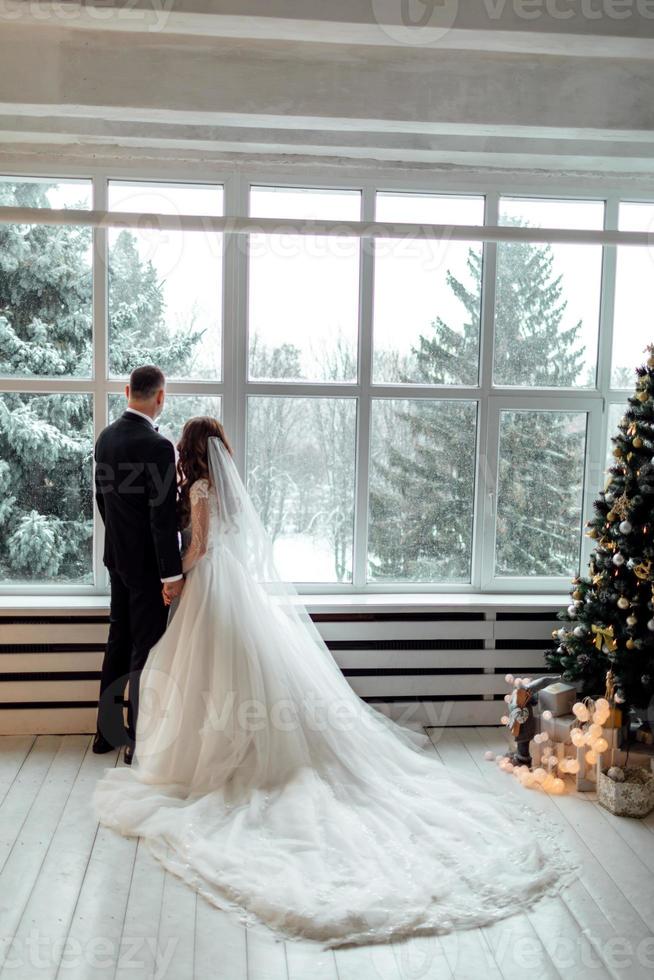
(193,459)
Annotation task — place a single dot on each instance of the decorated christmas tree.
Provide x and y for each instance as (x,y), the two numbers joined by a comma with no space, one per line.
(609,625)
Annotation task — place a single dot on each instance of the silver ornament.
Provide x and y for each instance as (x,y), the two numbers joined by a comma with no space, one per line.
(618,559)
(579,631)
(623,603)
(572,610)
(625,527)
(650,624)
(631,620)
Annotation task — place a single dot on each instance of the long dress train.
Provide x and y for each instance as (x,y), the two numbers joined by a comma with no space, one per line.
(266,784)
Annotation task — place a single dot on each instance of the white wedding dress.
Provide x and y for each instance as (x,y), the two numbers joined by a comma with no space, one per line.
(264,782)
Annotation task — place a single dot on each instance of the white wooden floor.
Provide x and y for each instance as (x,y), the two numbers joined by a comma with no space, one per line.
(77,900)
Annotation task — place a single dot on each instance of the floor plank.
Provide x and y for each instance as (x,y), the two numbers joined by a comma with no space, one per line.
(220,944)
(603,915)
(63,868)
(510,938)
(266,955)
(120,914)
(26,857)
(97,926)
(14,750)
(176,938)
(140,951)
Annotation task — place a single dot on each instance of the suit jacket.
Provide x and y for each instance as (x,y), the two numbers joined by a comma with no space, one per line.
(136,490)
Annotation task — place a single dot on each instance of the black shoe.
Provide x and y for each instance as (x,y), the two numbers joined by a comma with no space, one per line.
(128,755)
(101,745)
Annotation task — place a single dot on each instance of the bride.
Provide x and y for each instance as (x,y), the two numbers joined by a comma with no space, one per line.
(263,781)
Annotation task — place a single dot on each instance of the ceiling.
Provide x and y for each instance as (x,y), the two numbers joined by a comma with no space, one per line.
(563,86)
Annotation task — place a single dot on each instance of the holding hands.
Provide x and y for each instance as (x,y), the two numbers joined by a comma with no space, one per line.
(171,590)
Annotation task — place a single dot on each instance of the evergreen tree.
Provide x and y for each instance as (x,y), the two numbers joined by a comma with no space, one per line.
(423,462)
(46,440)
(609,624)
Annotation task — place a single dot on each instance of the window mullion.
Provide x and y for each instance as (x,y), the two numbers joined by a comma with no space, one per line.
(484,516)
(235,347)
(100,362)
(364,408)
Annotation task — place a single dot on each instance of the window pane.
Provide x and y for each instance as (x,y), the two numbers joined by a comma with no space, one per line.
(165,287)
(427,300)
(548,298)
(178,409)
(45,285)
(540,492)
(634,297)
(422,477)
(303,290)
(300,473)
(46,510)
(40,192)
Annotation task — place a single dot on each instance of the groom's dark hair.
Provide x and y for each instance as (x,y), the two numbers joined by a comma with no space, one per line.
(145,382)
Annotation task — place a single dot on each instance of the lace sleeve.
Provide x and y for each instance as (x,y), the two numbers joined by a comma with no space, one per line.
(197,548)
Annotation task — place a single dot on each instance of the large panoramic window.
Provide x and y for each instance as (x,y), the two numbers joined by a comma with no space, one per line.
(427,299)
(303,290)
(547,298)
(410,411)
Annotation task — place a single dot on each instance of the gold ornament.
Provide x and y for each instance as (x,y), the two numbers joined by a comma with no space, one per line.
(642,396)
(630,644)
(611,516)
(577,594)
(617,452)
(622,506)
(604,635)
(644,570)
(637,443)
(592,533)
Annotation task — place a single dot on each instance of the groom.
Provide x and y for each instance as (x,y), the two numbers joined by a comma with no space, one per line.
(135,489)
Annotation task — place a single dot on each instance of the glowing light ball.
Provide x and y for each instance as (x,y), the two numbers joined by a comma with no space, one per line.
(577,737)
(539,774)
(489,756)
(504,719)
(573,766)
(580,711)
(596,730)
(557,787)
(601,745)
(547,715)
(509,678)
(590,757)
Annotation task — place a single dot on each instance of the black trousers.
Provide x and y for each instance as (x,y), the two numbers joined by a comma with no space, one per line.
(137,619)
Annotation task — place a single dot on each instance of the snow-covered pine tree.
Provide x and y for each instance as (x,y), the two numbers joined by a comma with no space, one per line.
(429,473)
(609,624)
(46,440)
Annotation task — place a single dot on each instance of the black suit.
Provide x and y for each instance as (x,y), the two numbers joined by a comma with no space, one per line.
(136,492)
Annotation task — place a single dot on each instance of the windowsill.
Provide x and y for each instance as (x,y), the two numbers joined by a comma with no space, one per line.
(354,603)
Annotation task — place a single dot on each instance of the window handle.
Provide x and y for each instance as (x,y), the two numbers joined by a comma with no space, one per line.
(491,503)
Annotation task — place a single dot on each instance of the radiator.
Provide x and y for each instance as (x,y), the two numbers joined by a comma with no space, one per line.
(442,668)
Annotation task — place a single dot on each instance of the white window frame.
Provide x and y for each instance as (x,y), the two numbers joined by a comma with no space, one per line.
(234,387)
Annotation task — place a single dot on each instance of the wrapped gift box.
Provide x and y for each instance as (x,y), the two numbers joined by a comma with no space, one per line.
(559,728)
(557,698)
(633,797)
